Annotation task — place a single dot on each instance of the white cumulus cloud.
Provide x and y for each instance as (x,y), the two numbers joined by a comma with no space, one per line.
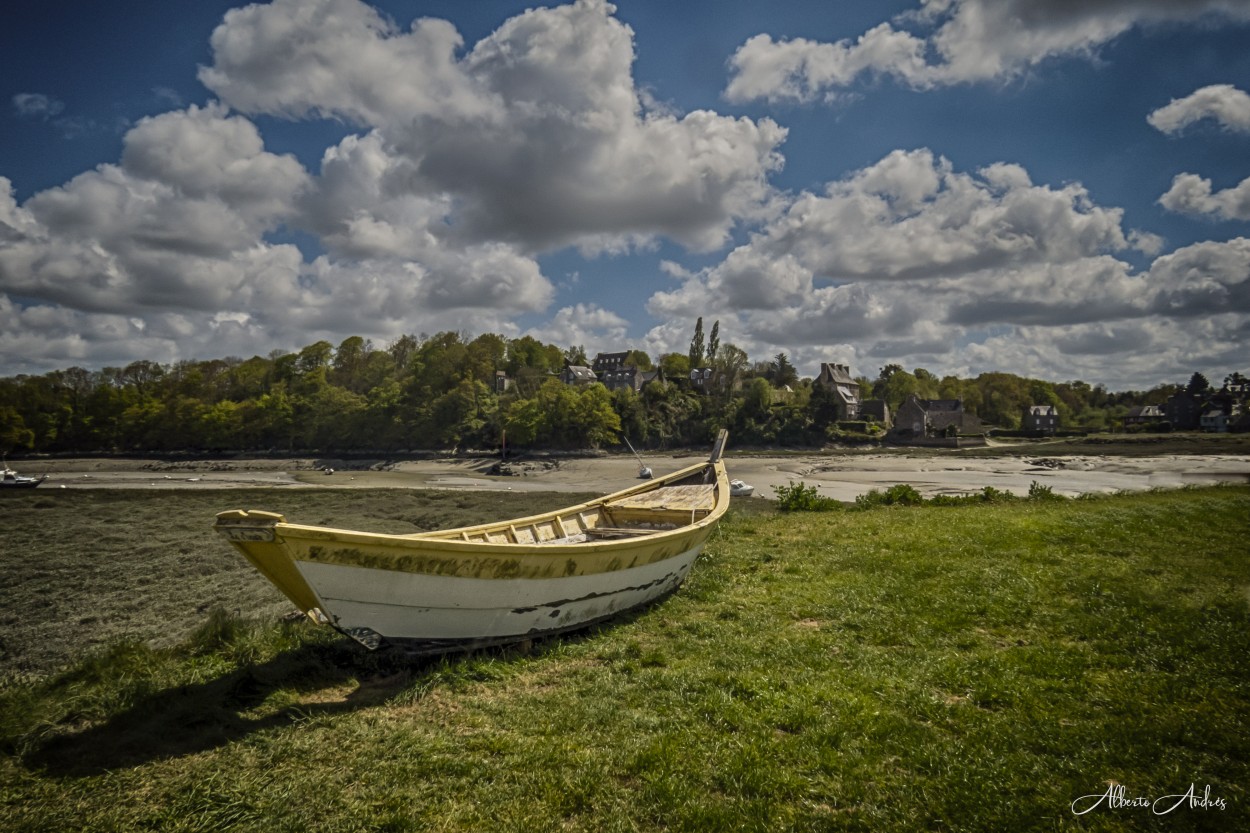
(961,41)
(37,106)
(471,160)
(1227,105)
(910,260)
(1192,194)
(537,134)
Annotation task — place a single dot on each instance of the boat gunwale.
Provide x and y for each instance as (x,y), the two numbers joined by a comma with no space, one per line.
(442,539)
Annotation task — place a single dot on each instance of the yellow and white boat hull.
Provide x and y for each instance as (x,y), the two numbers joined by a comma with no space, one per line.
(498,582)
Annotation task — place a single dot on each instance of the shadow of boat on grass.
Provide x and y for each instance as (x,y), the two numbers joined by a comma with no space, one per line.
(311,681)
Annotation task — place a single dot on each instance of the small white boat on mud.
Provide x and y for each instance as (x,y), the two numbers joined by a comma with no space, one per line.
(494,583)
(9,479)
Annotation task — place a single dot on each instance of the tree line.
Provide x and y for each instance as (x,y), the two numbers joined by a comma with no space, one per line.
(443,392)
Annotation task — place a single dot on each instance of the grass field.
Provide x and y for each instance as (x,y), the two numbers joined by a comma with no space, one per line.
(975,667)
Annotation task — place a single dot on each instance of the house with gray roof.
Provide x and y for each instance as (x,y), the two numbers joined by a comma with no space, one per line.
(574,374)
(605,362)
(922,419)
(1040,419)
(1145,415)
(630,377)
(836,378)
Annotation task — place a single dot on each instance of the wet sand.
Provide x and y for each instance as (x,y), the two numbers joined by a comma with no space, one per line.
(842,477)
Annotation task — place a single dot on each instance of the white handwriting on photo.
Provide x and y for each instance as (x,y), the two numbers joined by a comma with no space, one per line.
(1115,798)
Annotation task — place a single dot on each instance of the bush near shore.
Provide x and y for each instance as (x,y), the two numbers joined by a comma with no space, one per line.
(898,668)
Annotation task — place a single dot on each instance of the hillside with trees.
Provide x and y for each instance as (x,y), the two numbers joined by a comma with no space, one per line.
(449,391)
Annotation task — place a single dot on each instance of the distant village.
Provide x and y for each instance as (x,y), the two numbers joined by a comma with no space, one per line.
(937,422)
(446,391)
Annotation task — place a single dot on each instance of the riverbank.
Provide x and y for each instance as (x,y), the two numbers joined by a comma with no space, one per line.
(842,476)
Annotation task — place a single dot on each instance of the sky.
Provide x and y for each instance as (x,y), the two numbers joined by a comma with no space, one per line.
(1054,188)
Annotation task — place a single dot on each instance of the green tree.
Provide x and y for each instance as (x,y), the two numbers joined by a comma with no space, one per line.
(822,407)
(402,350)
(758,400)
(525,421)
(632,414)
(731,367)
(697,347)
(528,351)
(781,373)
(275,418)
(672,413)
(350,360)
(311,368)
(675,366)
(1004,397)
(597,422)
(894,385)
(329,419)
(639,359)
(221,426)
(486,354)
(461,414)
(926,384)
(13,431)
(141,424)
(382,420)
(249,379)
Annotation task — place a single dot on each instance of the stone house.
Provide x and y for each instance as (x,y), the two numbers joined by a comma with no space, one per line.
(1215,421)
(605,362)
(1184,411)
(702,379)
(877,410)
(1222,413)
(1040,419)
(575,374)
(836,378)
(919,419)
(629,376)
(1144,415)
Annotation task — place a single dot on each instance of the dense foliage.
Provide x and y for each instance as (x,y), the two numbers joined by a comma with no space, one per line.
(444,391)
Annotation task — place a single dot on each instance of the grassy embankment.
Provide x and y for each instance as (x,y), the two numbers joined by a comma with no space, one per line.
(975,667)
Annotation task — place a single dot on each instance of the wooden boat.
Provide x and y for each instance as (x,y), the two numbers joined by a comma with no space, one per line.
(494,583)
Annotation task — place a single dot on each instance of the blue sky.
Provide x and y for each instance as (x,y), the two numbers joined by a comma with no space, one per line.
(1053,189)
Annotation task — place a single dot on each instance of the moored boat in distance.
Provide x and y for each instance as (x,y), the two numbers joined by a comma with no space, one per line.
(10,479)
(493,583)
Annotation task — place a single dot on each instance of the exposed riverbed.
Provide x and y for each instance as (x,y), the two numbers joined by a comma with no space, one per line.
(842,477)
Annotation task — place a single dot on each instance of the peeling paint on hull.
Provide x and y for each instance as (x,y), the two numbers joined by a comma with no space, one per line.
(454,611)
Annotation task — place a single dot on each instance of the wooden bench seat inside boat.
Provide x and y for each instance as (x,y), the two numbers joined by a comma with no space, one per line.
(677,505)
(667,507)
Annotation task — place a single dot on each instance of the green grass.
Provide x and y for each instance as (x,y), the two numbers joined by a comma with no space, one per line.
(973,667)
